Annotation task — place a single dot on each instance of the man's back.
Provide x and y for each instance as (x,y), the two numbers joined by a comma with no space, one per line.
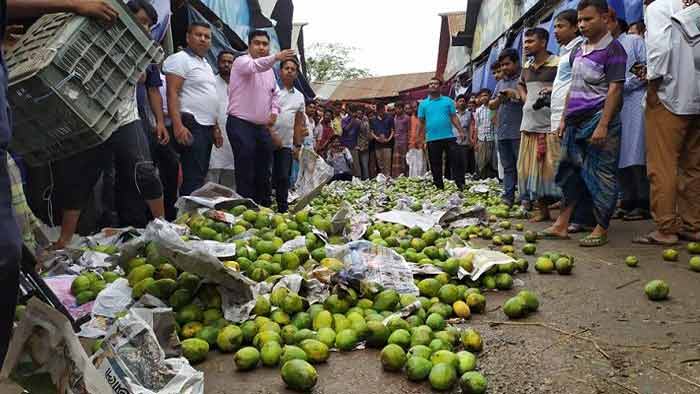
(671,58)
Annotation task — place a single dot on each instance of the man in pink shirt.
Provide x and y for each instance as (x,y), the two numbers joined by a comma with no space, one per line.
(253,106)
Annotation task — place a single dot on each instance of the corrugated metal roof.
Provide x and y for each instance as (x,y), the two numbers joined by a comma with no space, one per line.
(370,88)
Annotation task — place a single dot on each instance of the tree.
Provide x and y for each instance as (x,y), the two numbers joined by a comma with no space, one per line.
(331,61)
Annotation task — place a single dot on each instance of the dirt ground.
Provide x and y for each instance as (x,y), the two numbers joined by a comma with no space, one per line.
(620,342)
(595,333)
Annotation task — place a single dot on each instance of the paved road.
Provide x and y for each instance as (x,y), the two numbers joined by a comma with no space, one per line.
(622,342)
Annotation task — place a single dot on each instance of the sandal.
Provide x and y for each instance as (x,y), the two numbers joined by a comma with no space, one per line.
(648,239)
(549,234)
(592,241)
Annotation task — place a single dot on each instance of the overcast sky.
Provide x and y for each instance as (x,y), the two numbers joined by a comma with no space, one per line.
(392,36)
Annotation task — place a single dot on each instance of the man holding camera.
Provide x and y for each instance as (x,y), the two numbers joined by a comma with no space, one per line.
(539,146)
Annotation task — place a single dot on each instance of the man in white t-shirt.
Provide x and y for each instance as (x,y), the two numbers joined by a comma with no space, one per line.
(290,128)
(221,165)
(193,106)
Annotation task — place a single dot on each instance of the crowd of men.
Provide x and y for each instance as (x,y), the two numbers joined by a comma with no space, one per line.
(604,129)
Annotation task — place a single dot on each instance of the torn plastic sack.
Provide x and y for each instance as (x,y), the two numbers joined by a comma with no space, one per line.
(367,265)
(483,259)
(133,362)
(45,356)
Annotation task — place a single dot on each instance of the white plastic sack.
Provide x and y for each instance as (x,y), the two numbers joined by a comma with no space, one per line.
(416,163)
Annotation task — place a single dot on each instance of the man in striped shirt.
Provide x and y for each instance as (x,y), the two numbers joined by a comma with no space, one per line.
(591,129)
(485,137)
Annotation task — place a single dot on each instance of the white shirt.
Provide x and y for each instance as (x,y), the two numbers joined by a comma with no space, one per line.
(128,111)
(291,102)
(310,138)
(670,57)
(198,95)
(222,158)
(562,82)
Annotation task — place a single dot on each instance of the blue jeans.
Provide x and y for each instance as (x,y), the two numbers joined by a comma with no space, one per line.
(508,149)
(195,158)
(252,154)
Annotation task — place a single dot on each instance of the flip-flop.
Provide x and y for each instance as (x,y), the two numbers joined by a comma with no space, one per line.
(548,234)
(592,241)
(647,239)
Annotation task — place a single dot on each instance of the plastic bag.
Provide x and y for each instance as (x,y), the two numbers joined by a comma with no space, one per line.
(314,173)
(212,196)
(111,301)
(45,356)
(132,361)
(367,265)
(416,163)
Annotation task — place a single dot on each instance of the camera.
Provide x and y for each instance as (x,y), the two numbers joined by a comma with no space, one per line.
(544,100)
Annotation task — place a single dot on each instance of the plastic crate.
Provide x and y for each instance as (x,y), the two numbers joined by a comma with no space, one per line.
(68,76)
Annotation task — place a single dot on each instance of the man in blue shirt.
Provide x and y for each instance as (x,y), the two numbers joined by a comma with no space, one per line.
(382,129)
(10,239)
(437,115)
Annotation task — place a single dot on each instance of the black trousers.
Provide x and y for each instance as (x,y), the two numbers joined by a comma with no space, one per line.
(436,150)
(634,184)
(252,154)
(281,171)
(136,174)
(195,157)
(167,160)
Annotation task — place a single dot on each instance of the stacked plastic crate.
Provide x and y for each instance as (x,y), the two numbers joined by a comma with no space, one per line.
(68,76)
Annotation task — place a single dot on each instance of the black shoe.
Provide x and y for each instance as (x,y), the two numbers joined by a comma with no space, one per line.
(637,214)
(619,213)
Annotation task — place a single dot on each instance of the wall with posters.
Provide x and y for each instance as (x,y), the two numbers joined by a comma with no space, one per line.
(495,17)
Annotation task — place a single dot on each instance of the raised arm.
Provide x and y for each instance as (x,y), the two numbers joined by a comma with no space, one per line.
(93,8)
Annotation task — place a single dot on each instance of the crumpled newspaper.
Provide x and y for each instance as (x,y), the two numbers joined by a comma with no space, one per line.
(367,264)
(46,356)
(483,259)
(314,173)
(132,361)
(233,286)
